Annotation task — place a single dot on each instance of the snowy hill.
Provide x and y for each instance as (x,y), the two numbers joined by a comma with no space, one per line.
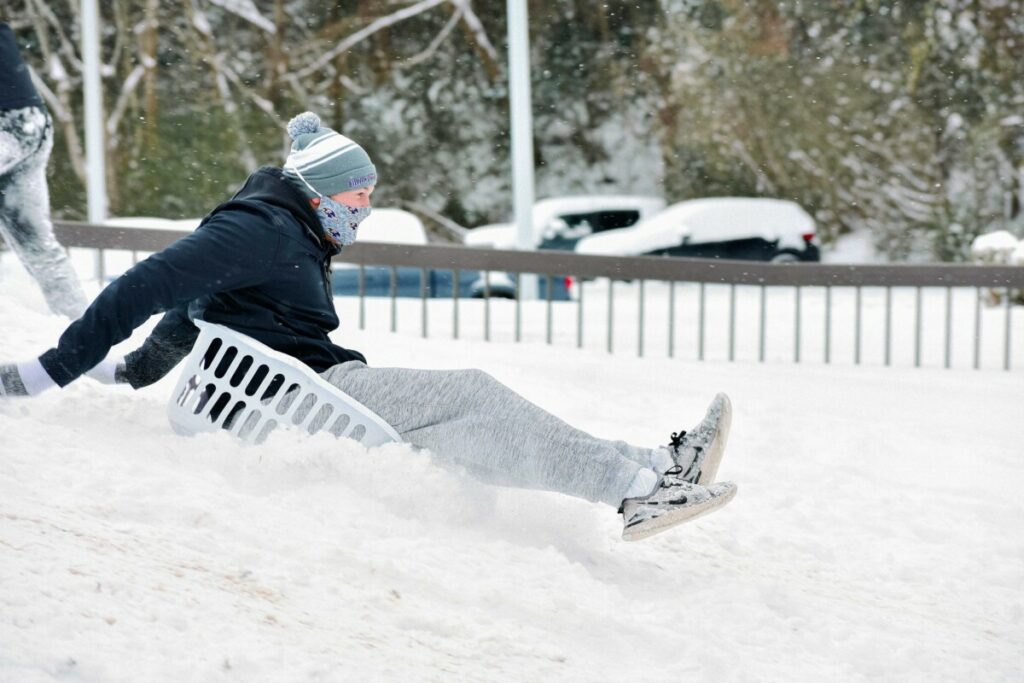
(876,536)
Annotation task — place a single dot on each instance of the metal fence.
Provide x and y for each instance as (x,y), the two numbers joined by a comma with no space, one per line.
(698,276)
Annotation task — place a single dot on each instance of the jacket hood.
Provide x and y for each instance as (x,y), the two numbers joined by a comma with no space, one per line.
(269,185)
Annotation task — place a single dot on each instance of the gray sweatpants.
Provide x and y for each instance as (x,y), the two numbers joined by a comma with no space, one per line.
(469,419)
(26,138)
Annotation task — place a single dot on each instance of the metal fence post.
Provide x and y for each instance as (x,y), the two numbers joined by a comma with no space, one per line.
(732,322)
(796,330)
(977,328)
(828,324)
(671,318)
(1006,340)
(640,326)
(948,349)
(762,323)
(362,296)
(857,327)
(456,287)
(394,298)
(700,325)
(611,309)
(888,326)
(579,315)
(487,305)
(423,302)
(917,328)
(550,296)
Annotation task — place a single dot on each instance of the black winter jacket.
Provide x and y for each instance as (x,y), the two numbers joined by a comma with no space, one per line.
(257,264)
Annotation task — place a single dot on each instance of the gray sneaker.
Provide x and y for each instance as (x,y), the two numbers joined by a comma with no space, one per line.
(699,451)
(673,502)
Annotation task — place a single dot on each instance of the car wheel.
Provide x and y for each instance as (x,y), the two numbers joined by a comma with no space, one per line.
(786,257)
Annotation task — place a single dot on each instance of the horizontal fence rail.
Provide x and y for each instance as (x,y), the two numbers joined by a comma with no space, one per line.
(646,269)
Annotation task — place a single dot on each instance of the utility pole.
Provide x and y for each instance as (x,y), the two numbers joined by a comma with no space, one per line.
(522,135)
(95,152)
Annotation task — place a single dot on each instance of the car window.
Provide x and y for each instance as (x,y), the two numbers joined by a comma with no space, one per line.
(599,221)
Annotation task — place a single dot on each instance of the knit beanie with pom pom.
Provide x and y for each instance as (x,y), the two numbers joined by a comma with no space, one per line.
(323,162)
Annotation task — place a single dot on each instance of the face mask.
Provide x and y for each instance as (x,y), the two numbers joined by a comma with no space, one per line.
(340,220)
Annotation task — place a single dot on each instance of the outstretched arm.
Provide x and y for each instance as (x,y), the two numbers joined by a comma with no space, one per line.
(165,347)
(230,251)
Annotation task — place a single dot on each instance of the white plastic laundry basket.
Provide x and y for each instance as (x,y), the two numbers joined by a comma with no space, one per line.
(236,383)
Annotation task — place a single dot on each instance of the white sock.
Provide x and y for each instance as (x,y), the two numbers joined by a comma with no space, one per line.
(643,484)
(105,371)
(34,377)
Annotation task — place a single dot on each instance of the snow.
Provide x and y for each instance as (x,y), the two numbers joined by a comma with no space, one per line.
(853,247)
(876,536)
(393,226)
(706,220)
(996,247)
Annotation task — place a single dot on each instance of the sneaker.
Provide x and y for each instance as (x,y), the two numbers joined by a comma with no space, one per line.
(699,451)
(673,502)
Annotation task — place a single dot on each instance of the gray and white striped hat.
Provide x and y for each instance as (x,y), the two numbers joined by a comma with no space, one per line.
(324,162)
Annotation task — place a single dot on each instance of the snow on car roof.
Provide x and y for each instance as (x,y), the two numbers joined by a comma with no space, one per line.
(503,235)
(712,219)
(392,226)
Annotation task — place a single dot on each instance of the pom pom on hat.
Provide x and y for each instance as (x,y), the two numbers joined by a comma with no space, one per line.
(306,122)
(324,162)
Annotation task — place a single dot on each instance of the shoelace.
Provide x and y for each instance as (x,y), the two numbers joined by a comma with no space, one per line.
(677,439)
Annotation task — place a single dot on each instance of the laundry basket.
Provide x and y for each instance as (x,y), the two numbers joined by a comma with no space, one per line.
(238,384)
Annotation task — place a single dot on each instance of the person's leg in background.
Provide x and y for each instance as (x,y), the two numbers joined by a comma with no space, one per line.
(26,138)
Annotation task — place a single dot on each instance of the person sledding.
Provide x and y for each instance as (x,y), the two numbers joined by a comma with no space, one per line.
(259,264)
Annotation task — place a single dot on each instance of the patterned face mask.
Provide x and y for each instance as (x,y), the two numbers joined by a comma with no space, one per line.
(340,220)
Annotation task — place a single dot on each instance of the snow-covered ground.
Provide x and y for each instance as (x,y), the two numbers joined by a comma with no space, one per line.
(878,534)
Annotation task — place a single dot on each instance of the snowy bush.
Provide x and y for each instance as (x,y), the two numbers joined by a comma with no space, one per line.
(999,248)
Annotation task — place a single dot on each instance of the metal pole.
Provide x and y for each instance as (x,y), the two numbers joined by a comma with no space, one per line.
(917,328)
(362,296)
(671,318)
(550,294)
(888,326)
(394,298)
(95,145)
(423,302)
(456,281)
(949,327)
(519,310)
(796,330)
(1006,339)
(828,324)
(977,328)
(521,112)
(732,323)
(857,328)
(640,324)
(700,324)
(579,316)
(487,305)
(762,324)
(611,311)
